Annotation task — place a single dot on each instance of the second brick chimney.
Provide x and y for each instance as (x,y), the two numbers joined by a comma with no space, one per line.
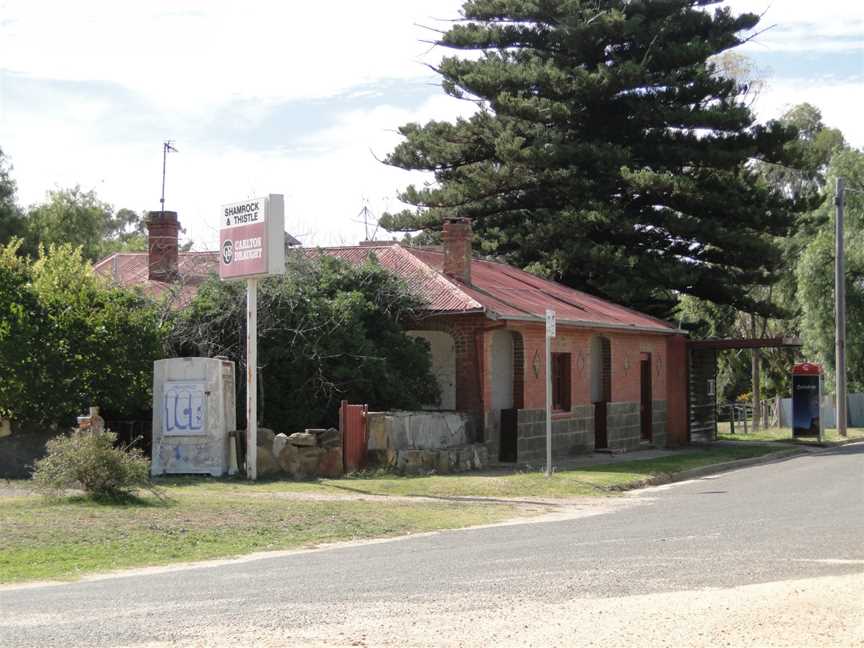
(457,237)
(162,245)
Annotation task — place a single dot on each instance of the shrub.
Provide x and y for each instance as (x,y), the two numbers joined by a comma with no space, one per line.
(91,461)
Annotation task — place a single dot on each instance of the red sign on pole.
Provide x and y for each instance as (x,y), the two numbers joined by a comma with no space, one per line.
(252,238)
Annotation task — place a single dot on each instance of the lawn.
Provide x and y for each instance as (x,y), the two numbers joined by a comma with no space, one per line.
(785,435)
(67,538)
(593,481)
(203,518)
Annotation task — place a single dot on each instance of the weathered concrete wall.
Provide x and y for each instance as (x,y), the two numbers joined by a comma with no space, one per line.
(572,433)
(659,419)
(193,411)
(623,425)
(418,430)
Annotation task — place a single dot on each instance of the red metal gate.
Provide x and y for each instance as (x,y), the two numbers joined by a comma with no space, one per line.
(352,424)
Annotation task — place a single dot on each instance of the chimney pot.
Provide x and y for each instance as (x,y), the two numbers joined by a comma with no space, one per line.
(162,245)
(457,237)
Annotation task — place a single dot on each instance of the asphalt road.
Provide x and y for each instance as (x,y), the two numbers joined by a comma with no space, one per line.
(793,520)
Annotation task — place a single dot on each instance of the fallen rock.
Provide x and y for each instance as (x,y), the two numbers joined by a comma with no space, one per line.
(302,439)
(267,464)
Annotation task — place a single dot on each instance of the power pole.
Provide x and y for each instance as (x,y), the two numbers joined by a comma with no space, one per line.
(840,307)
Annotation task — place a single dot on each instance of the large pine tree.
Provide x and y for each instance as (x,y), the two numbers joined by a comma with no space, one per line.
(607,152)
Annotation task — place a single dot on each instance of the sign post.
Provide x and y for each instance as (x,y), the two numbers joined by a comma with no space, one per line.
(550,333)
(252,245)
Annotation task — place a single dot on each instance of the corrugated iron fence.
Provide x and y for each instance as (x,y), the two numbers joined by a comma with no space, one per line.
(352,424)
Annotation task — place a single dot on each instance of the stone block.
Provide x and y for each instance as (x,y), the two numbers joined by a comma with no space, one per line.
(265,437)
(481,457)
(308,460)
(289,459)
(304,439)
(330,464)
(331,438)
(279,442)
(267,464)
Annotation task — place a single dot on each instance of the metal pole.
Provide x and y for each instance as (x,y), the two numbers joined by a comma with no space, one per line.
(840,309)
(548,405)
(164,157)
(252,379)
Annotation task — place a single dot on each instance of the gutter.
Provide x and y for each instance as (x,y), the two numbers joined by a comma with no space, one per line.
(598,325)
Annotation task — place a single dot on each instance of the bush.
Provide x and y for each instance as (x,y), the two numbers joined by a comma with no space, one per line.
(90,461)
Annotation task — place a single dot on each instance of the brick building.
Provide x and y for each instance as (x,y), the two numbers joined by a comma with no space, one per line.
(619,376)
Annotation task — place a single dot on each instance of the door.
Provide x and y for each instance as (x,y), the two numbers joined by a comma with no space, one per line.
(645,413)
(507,451)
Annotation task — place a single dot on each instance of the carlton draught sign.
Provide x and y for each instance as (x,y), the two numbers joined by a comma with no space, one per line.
(252,238)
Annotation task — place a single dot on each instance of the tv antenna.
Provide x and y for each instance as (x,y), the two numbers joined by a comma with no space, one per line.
(167,147)
(367,217)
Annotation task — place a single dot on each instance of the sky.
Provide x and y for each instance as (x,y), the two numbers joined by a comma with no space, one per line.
(302,99)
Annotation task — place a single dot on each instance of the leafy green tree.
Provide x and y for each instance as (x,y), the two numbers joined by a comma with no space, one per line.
(608,151)
(11,221)
(68,340)
(82,219)
(327,331)
(815,272)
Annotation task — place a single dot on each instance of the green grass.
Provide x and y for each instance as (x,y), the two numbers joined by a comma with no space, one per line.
(206,518)
(596,480)
(785,435)
(70,537)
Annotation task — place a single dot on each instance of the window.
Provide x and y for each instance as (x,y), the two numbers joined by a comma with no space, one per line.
(561,381)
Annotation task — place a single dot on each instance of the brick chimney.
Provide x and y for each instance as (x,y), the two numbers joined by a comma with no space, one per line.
(457,237)
(162,228)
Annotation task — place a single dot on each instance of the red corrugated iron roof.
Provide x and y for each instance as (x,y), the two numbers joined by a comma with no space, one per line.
(131,269)
(511,293)
(439,293)
(499,290)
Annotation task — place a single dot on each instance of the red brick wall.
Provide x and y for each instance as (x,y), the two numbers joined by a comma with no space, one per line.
(626,349)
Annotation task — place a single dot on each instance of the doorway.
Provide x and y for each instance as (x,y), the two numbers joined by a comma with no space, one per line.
(601,388)
(645,409)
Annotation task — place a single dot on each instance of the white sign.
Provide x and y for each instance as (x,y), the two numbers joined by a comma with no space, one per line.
(252,238)
(550,323)
(183,408)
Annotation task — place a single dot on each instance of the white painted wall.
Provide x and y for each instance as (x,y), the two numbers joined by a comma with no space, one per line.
(443,351)
(502,370)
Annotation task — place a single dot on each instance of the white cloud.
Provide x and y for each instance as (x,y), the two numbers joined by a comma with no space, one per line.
(839,101)
(797,25)
(185,53)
